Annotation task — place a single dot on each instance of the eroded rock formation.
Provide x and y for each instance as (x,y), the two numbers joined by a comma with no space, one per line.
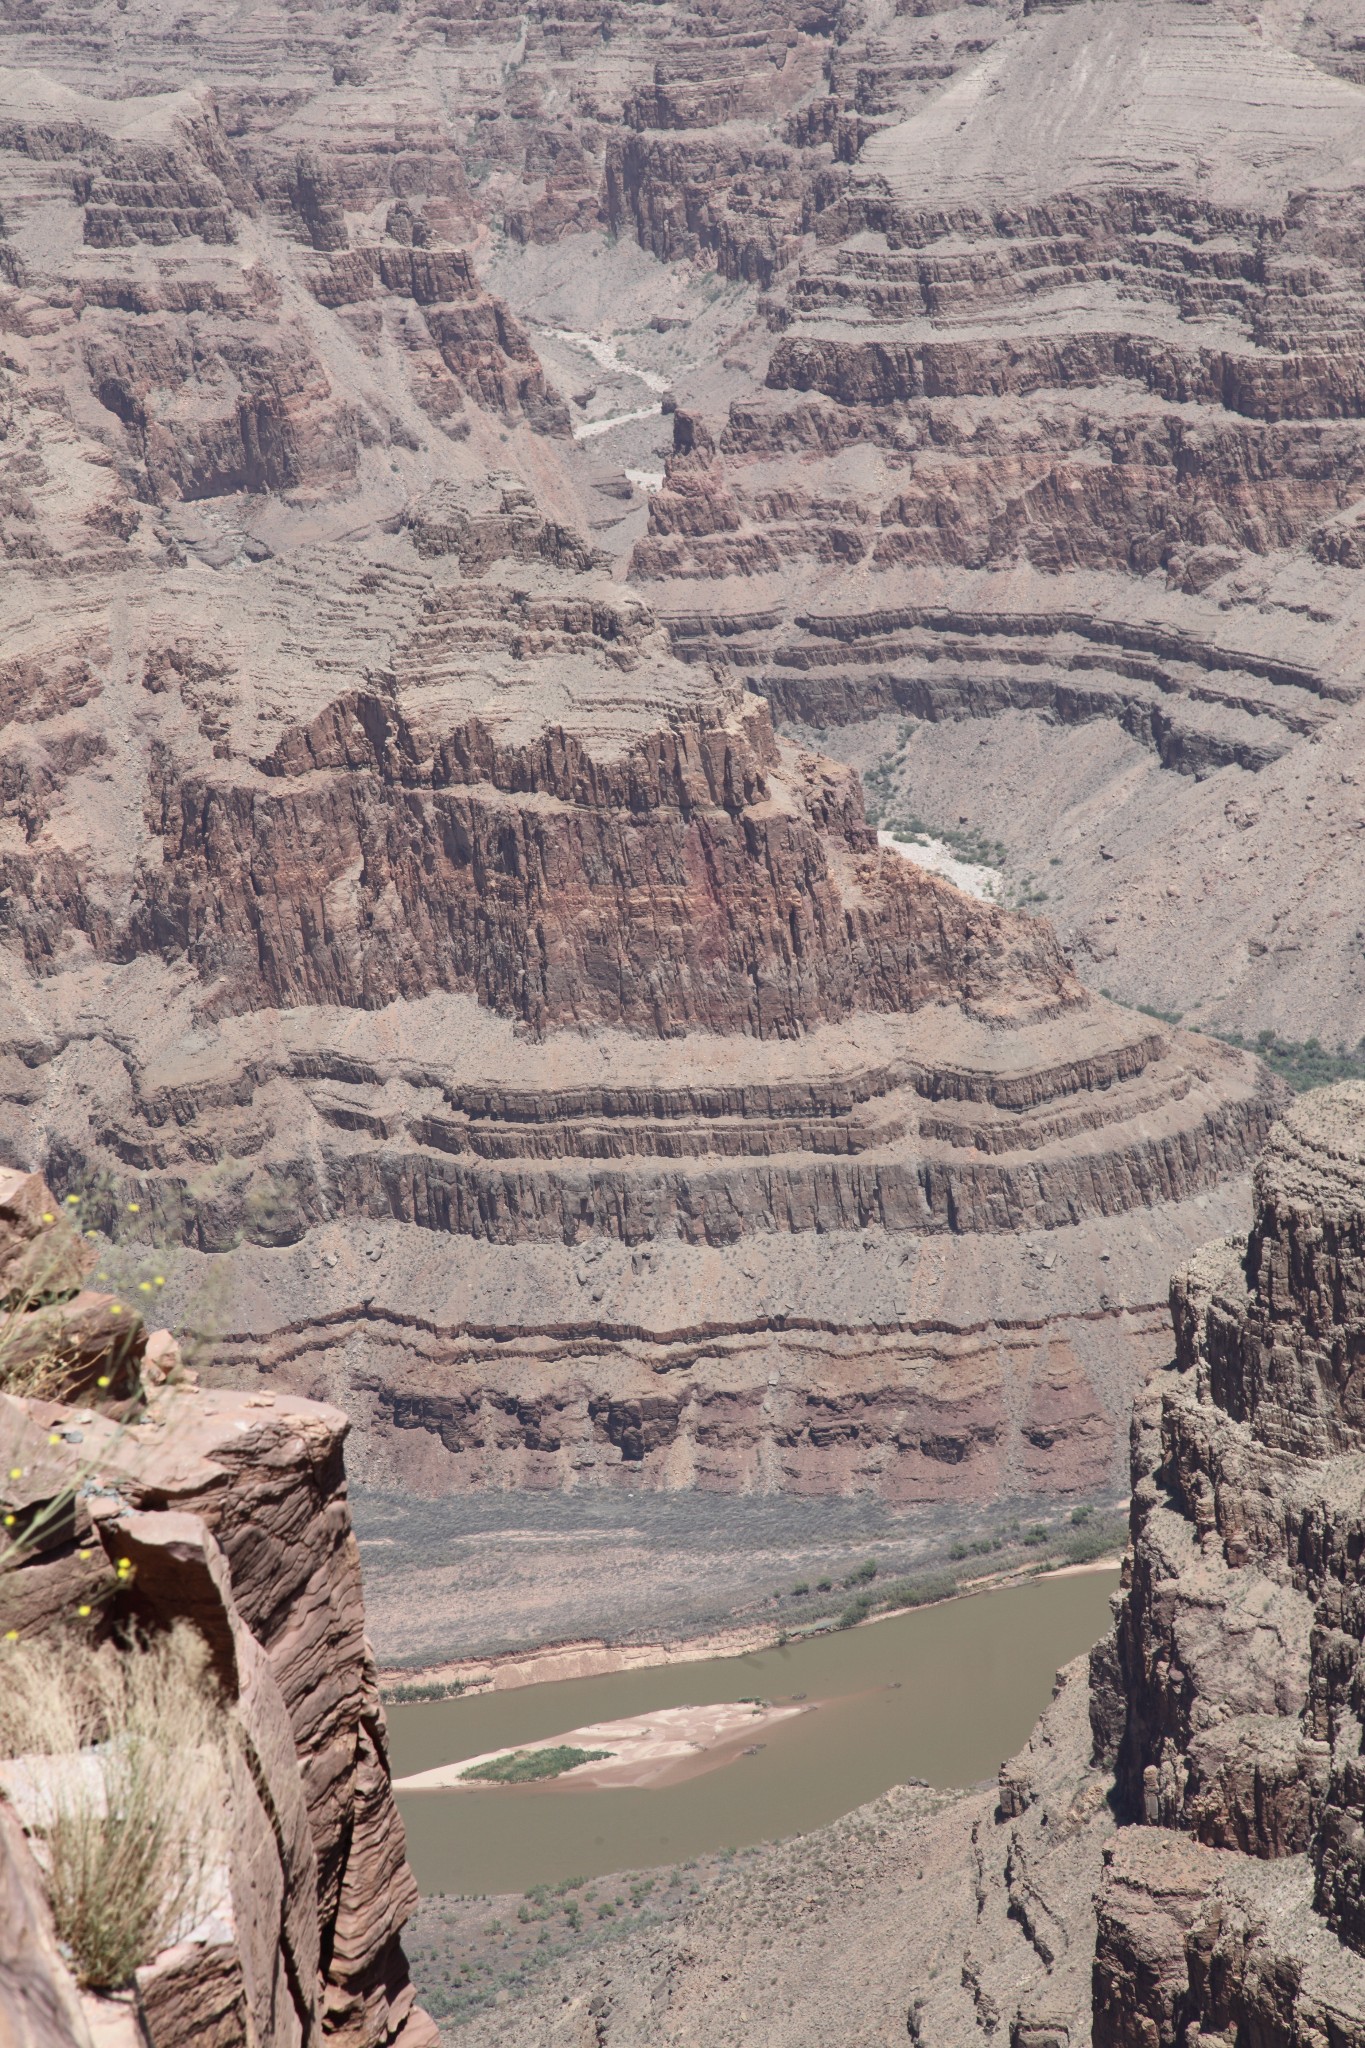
(1230,1697)
(1059,427)
(138,1500)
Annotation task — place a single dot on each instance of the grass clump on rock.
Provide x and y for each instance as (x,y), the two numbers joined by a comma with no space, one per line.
(119,1767)
(526,1766)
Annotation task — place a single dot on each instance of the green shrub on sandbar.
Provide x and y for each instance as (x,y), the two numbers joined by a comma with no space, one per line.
(1303,1064)
(524,1766)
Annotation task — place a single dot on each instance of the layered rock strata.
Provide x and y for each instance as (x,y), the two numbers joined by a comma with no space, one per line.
(496,1025)
(1060,427)
(140,1500)
(1032,417)
(1230,1695)
(912,1254)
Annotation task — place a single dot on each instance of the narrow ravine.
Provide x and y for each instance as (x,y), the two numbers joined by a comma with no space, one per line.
(606,354)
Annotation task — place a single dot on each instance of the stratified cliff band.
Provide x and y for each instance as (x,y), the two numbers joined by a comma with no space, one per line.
(1231,1696)
(410,906)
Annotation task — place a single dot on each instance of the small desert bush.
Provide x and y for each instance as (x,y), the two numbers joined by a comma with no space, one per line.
(421,1693)
(123,1789)
(1104,1536)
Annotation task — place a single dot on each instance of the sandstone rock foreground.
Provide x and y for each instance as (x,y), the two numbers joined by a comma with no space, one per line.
(412,913)
(139,1509)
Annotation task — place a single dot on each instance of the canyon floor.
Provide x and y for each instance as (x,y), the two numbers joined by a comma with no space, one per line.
(452,1582)
(491,1967)
(839,1931)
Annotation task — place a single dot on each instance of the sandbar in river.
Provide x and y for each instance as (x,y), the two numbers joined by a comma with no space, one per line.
(944,1694)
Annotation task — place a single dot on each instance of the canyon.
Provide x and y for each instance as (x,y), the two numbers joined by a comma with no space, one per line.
(1175,1856)
(517,525)
(434,907)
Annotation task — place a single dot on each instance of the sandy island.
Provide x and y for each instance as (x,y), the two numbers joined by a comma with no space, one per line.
(662,1748)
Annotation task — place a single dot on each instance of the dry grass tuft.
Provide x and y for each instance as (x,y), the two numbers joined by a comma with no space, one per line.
(35,1357)
(127,1816)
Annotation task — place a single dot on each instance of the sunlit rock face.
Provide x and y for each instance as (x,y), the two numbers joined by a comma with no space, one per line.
(1230,1694)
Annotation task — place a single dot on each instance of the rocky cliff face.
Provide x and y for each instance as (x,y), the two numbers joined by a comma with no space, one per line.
(1059,426)
(139,1500)
(1230,1696)
(501,1028)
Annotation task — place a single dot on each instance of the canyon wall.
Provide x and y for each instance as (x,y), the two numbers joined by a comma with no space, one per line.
(138,1500)
(1229,1699)
(424,948)
(1048,470)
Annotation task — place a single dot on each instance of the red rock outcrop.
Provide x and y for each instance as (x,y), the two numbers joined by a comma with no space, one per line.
(229,1512)
(682,887)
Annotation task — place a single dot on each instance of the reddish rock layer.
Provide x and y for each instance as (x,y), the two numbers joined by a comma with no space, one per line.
(230,1511)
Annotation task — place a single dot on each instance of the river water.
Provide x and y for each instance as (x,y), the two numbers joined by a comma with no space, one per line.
(943,1694)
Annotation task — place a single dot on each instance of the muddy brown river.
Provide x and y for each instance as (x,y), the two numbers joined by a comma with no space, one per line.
(941,1694)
